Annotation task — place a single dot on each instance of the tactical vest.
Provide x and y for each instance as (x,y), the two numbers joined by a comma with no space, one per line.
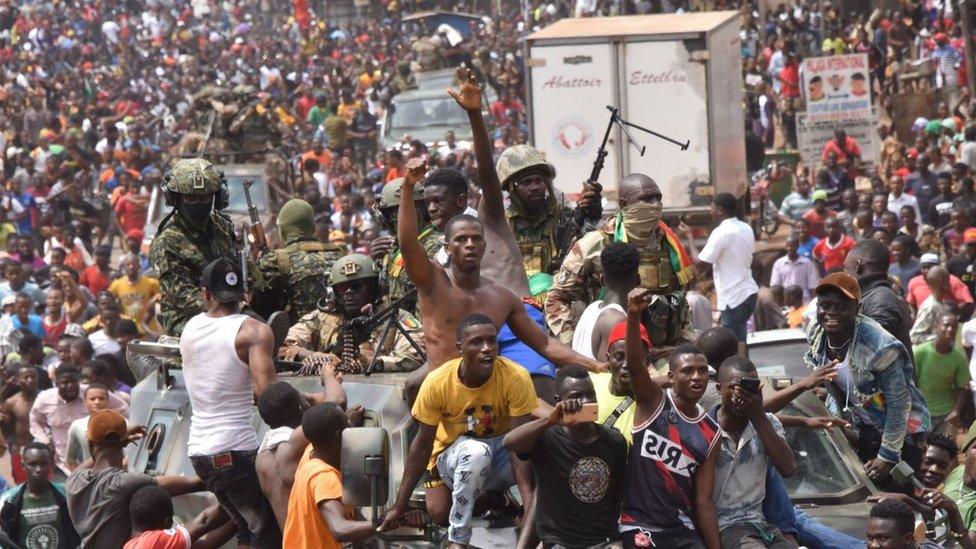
(656,273)
(283,255)
(538,250)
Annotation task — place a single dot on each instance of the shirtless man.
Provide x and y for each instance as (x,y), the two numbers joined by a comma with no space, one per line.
(447,295)
(15,418)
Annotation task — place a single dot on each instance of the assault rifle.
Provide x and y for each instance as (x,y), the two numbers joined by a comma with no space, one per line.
(256,240)
(356,331)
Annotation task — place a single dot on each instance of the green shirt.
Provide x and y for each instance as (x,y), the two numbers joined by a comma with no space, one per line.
(964,497)
(940,376)
(316,116)
(39,525)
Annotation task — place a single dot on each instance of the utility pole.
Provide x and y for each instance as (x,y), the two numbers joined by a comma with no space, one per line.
(965,19)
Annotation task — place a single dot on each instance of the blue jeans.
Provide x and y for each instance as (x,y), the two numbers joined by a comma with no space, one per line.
(780,512)
(234,481)
(735,318)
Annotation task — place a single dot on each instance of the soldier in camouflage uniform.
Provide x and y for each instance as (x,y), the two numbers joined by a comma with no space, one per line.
(191,236)
(385,249)
(293,274)
(543,228)
(323,336)
(665,268)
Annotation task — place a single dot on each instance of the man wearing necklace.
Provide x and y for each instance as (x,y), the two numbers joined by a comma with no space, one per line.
(874,388)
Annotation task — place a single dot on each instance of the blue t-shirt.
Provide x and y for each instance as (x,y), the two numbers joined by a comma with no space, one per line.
(33,325)
(513,349)
(806,249)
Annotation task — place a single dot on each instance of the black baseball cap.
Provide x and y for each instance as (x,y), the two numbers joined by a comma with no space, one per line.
(223,277)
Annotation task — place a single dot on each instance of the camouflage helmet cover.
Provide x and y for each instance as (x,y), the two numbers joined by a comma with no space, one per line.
(390,195)
(194,176)
(352,267)
(519,158)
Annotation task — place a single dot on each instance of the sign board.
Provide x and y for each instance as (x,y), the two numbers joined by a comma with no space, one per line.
(811,137)
(837,88)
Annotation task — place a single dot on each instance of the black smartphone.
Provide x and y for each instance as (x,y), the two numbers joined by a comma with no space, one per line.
(750,384)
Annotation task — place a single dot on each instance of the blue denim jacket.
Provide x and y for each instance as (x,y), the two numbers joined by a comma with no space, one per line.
(884,382)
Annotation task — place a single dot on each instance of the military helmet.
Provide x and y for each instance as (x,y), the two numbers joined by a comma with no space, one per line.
(352,267)
(390,195)
(296,221)
(193,176)
(519,158)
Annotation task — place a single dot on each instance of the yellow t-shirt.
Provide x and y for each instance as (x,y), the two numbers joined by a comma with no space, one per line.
(315,481)
(483,412)
(607,402)
(134,298)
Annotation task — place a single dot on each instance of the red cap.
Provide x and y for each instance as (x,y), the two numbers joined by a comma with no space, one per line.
(619,332)
(941,37)
(969,235)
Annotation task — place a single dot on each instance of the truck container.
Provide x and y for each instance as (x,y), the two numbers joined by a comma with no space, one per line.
(676,74)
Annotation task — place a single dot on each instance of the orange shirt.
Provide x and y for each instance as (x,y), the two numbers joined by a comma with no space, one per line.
(324,159)
(315,481)
(394,173)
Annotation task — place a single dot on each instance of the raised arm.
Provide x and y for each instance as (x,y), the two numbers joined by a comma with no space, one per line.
(647,393)
(532,335)
(491,209)
(419,268)
(522,439)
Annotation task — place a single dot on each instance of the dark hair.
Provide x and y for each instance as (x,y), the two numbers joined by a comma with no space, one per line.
(460,218)
(620,261)
(451,179)
(126,327)
(98,386)
(735,364)
(321,422)
(99,369)
(65,369)
(726,202)
(873,255)
(111,306)
(28,343)
(570,371)
(279,405)
(857,76)
(34,445)
(150,508)
(681,350)
(84,347)
(717,343)
(941,441)
(898,511)
(793,290)
(473,319)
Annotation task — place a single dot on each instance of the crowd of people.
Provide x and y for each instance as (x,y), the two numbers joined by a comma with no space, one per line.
(596,364)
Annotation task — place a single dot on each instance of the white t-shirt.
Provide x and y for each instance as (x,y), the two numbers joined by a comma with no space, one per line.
(969,340)
(583,336)
(219,385)
(104,345)
(729,249)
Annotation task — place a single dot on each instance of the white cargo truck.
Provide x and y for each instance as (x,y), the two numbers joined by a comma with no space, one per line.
(676,74)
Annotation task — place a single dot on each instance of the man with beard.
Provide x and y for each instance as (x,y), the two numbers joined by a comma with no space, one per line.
(329,335)
(665,267)
(543,228)
(190,237)
(874,388)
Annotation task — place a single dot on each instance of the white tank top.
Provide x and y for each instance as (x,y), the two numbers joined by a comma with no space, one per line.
(219,384)
(583,336)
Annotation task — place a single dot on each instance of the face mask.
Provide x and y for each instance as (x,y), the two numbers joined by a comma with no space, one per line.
(641,220)
(196,214)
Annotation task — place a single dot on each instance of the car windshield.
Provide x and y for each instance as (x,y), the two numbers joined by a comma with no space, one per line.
(820,467)
(426,113)
(237,202)
(783,359)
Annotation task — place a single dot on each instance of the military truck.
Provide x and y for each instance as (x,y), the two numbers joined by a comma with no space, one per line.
(830,483)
